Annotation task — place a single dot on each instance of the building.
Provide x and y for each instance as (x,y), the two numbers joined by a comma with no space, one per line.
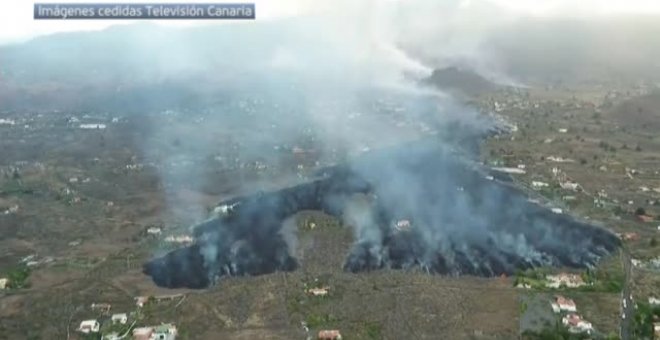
(569,185)
(656,330)
(140,301)
(576,324)
(628,236)
(318,291)
(562,304)
(143,333)
(102,307)
(93,126)
(538,184)
(181,239)
(329,335)
(154,231)
(4,283)
(654,301)
(403,225)
(564,279)
(121,318)
(89,326)
(164,332)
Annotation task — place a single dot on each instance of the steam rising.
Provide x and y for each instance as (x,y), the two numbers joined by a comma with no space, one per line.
(460,223)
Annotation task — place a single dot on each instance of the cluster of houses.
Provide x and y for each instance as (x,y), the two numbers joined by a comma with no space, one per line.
(164,331)
(176,239)
(323,334)
(570,319)
(564,280)
(561,280)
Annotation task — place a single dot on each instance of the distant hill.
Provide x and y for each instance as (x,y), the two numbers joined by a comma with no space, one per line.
(460,81)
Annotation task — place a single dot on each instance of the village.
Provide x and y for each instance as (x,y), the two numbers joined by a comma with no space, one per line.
(104,198)
(606,177)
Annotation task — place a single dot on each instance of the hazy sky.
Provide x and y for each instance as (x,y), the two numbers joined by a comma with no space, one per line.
(16,21)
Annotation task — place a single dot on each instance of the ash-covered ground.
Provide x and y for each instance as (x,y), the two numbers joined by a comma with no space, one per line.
(419,205)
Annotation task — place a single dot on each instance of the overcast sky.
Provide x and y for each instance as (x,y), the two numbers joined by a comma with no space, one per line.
(16,23)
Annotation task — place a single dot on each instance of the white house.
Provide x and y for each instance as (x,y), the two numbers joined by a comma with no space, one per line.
(154,231)
(654,301)
(89,326)
(121,318)
(181,239)
(92,126)
(569,185)
(562,304)
(318,291)
(4,282)
(576,324)
(538,184)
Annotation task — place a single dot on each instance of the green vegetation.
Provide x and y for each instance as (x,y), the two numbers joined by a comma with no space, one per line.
(596,280)
(15,187)
(18,277)
(643,320)
(109,327)
(320,321)
(374,330)
(602,281)
(558,332)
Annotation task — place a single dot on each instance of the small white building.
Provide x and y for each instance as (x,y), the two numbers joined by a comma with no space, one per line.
(4,282)
(514,171)
(164,332)
(569,185)
(539,184)
(121,318)
(89,326)
(557,211)
(180,239)
(92,126)
(654,301)
(318,291)
(403,225)
(154,231)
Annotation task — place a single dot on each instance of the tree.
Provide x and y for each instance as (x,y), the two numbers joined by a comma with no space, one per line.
(640,211)
(653,242)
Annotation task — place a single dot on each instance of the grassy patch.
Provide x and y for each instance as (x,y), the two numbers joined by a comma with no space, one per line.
(18,277)
(320,321)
